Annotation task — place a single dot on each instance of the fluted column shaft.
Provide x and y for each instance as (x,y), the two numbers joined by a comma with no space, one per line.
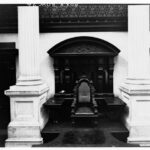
(29,54)
(138,42)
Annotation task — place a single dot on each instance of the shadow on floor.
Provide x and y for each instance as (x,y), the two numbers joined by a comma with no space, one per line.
(3,136)
(106,134)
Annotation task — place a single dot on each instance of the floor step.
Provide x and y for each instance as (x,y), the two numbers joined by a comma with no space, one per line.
(64,134)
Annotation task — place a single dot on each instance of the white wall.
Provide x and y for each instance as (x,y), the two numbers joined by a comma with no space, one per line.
(9,38)
(48,40)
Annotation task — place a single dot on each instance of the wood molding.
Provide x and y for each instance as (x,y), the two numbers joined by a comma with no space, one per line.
(83,46)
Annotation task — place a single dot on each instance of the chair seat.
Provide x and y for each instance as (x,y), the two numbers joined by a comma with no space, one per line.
(84,111)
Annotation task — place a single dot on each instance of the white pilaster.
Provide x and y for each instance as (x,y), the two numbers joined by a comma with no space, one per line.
(29,54)
(28,95)
(136,89)
(138,42)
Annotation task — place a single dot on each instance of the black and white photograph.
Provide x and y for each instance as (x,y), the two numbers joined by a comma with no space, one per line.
(75,74)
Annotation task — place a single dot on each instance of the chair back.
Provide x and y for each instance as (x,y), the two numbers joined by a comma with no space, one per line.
(84,92)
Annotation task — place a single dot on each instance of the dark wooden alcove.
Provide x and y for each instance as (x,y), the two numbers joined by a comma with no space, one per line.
(88,56)
(79,56)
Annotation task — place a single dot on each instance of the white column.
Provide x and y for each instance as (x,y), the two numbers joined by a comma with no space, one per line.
(136,89)
(138,42)
(27,97)
(29,54)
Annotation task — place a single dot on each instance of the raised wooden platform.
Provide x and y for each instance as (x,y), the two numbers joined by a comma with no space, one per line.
(60,107)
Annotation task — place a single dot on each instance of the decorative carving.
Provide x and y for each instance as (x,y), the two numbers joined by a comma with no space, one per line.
(80,11)
(86,46)
(83,17)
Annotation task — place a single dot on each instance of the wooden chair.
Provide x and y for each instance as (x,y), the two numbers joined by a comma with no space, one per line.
(84,104)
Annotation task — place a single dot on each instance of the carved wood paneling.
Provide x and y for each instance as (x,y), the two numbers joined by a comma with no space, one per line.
(85,46)
(83,17)
(99,70)
(80,56)
(77,12)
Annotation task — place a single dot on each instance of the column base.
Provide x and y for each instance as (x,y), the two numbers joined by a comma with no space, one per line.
(137,98)
(28,116)
(139,134)
(141,81)
(143,142)
(23,142)
(29,81)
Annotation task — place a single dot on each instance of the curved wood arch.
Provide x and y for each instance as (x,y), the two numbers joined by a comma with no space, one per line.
(84,46)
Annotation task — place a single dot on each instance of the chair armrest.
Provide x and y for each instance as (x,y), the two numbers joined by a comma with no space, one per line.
(95,106)
(73,103)
(73,106)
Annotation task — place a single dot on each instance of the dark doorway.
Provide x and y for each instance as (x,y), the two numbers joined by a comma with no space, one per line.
(7,78)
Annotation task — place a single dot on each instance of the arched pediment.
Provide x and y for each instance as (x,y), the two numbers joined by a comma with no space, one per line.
(83,46)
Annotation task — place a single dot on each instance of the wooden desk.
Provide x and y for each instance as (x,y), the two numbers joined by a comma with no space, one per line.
(114,107)
(55,109)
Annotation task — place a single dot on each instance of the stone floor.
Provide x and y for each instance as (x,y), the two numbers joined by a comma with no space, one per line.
(4,120)
(114,134)
(3,137)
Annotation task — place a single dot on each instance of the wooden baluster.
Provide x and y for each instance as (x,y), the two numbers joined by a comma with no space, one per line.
(57,75)
(100,76)
(67,76)
(110,75)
